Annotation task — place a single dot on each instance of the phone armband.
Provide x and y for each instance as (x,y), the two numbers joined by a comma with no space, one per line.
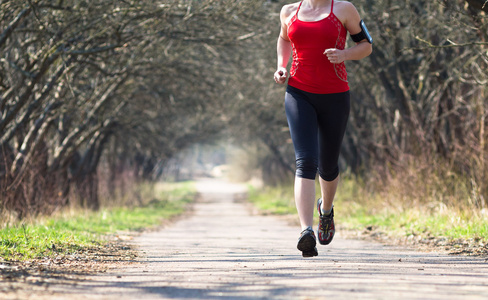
(364,34)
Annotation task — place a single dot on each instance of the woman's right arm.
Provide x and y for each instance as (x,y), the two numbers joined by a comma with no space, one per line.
(283,47)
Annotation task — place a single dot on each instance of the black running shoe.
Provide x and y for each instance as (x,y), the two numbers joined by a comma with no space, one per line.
(326,228)
(306,243)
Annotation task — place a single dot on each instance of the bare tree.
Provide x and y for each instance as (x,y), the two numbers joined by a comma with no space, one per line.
(80,77)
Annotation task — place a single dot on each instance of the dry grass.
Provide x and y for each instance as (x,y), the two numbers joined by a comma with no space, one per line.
(425,204)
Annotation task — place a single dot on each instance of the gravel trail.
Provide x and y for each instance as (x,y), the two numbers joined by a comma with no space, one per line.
(222,251)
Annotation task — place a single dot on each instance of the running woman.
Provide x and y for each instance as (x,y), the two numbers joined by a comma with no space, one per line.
(314,33)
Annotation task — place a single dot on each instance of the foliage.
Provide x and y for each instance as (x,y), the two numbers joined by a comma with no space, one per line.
(77,231)
(419,98)
(92,89)
(273,200)
(98,95)
(357,207)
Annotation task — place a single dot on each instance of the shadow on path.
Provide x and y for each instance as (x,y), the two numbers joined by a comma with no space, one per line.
(223,252)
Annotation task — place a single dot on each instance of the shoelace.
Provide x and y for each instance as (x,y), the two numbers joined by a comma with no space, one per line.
(325,223)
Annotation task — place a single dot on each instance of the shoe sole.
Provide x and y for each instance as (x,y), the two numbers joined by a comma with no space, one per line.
(307,246)
(311,253)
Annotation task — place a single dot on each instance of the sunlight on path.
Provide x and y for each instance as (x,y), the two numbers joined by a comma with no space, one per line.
(212,186)
(223,252)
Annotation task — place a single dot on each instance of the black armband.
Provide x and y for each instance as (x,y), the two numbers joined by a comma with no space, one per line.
(364,34)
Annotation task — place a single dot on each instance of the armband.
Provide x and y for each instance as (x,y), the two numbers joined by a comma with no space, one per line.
(364,34)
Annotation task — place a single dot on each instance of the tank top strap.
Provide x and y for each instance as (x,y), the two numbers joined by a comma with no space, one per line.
(299,5)
(295,17)
(332,7)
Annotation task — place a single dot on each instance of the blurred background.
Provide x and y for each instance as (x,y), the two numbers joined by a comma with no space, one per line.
(97,97)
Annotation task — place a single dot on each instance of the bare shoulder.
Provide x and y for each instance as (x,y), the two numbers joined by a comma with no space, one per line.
(346,12)
(288,9)
(345,6)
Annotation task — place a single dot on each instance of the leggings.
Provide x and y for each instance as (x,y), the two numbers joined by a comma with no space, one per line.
(317,124)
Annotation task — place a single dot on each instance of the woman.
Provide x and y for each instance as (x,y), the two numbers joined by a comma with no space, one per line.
(317,101)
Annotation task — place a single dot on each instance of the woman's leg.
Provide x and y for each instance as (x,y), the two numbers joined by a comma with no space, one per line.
(332,119)
(328,191)
(305,200)
(302,121)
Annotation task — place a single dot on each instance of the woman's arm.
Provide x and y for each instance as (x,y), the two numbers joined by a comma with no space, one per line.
(351,19)
(357,52)
(283,47)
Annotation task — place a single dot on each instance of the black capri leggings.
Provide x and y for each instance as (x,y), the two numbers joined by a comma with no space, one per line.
(317,124)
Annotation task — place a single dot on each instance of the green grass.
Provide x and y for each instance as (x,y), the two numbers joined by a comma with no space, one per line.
(273,200)
(357,209)
(418,221)
(80,230)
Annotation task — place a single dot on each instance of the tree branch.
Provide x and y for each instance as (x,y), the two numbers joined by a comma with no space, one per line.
(10,28)
(451,45)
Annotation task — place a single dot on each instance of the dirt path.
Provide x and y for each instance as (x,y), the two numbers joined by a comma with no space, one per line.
(223,252)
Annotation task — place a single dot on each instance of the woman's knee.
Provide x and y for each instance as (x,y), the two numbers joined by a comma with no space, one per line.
(329,174)
(306,168)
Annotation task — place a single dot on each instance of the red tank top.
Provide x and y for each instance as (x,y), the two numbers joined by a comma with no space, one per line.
(311,70)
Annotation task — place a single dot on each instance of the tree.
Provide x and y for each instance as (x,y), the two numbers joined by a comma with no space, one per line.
(82,77)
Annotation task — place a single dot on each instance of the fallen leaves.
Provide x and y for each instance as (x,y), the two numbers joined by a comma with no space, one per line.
(71,268)
(423,242)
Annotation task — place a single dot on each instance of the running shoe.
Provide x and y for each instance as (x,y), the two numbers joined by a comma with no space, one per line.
(307,242)
(326,229)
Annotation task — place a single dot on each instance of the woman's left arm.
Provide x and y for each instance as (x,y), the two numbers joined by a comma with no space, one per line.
(362,48)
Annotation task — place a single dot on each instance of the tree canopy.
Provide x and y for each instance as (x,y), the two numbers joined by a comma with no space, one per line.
(92,89)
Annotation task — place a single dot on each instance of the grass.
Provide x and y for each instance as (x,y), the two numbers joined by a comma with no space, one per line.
(418,221)
(358,208)
(400,213)
(273,200)
(78,230)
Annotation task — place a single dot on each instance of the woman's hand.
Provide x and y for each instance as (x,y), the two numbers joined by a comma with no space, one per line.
(335,56)
(280,75)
